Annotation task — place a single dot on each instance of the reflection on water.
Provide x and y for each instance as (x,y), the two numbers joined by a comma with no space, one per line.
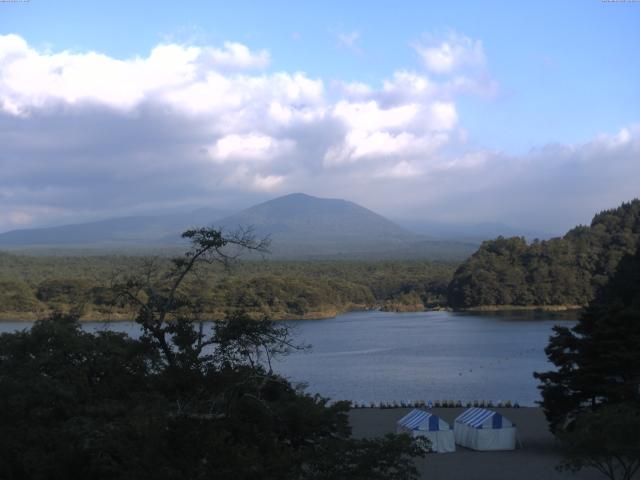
(382,356)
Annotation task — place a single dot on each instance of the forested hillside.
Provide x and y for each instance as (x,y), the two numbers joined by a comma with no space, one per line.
(561,271)
(30,287)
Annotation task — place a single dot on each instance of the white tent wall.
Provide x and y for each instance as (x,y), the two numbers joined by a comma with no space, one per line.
(442,441)
(418,423)
(481,429)
(485,439)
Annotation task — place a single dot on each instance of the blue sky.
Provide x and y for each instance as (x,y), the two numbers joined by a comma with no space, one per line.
(530,79)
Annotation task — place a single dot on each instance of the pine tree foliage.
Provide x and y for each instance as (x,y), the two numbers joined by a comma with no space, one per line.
(598,360)
(561,271)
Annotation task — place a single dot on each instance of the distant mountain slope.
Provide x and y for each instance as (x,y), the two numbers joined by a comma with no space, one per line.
(474,232)
(115,231)
(303,215)
(561,271)
(300,226)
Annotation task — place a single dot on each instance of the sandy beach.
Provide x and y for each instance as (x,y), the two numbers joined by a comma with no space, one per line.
(534,459)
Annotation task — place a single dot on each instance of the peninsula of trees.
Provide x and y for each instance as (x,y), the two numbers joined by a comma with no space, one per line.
(562,271)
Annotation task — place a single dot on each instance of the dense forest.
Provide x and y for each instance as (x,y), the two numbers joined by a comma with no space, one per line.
(32,287)
(506,272)
(561,271)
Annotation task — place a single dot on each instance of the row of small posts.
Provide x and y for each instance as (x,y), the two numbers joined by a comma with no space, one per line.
(437,404)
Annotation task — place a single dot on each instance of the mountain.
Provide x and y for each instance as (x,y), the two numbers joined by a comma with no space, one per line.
(304,226)
(111,232)
(300,226)
(302,216)
(567,270)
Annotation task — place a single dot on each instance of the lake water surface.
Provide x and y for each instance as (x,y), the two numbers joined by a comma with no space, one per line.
(381,356)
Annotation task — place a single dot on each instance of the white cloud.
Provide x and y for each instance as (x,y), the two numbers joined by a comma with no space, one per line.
(451,53)
(623,137)
(410,84)
(181,76)
(356,89)
(401,170)
(383,146)
(243,177)
(360,144)
(268,182)
(443,116)
(369,115)
(237,56)
(409,129)
(253,146)
(87,135)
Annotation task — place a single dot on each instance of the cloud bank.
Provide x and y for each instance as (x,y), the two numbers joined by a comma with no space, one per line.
(84,135)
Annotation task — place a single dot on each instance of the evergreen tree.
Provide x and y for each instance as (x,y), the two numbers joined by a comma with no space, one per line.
(598,360)
(607,440)
(561,271)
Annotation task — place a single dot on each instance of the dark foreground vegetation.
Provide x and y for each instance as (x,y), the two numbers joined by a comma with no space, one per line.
(592,399)
(561,271)
(180,402)
(31,287)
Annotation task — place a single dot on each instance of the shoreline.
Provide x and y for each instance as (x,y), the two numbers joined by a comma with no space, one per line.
(323,314)
(520,308)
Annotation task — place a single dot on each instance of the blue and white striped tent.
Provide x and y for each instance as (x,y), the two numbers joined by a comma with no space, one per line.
(419,423)
(481,429)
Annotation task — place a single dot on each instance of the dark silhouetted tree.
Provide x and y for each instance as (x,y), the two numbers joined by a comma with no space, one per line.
(184,401)
(598,360)
(592,399)
(607,440)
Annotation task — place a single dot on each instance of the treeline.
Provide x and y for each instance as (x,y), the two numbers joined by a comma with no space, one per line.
(31,287)
(562,271)
(503,272)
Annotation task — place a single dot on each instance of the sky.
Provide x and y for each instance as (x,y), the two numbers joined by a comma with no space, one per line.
(525,113)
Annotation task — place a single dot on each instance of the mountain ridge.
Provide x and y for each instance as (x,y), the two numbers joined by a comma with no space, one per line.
(296,210)
(300,226)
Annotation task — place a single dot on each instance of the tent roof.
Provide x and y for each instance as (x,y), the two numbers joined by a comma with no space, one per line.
(417,418)
(476,417)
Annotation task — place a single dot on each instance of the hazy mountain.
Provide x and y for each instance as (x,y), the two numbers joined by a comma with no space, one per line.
(300,226)
(114,231)
(474,232)
(303,215)
(304,226)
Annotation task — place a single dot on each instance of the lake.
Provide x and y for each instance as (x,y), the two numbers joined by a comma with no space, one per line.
(386,357)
